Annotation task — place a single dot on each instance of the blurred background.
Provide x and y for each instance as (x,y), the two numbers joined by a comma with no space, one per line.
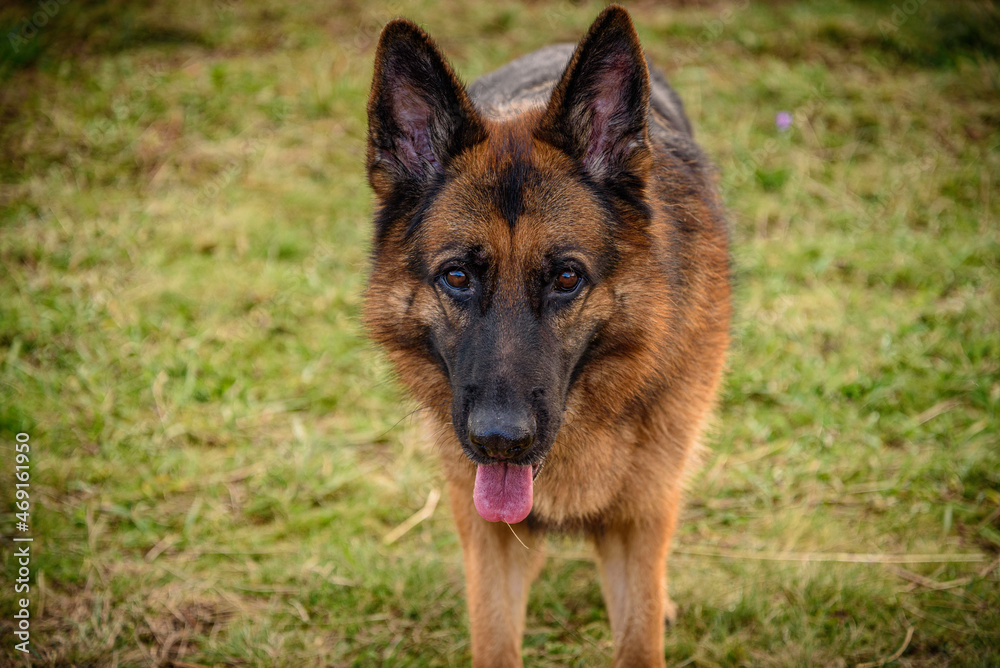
(222,467)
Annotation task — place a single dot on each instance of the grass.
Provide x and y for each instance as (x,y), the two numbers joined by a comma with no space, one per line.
(218,452)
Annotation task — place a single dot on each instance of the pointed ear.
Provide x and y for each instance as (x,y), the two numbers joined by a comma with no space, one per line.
(598,110)
(419,115)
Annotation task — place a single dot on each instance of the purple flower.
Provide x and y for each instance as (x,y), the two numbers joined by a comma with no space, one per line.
(783,120)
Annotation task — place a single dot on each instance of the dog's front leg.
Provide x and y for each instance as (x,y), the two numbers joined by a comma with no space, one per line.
(498,574)
(632,561)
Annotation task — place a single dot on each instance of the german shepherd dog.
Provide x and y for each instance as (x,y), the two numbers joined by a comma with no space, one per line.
(550,279)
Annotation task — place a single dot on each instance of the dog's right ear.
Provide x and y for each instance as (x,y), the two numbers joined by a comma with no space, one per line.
(419,115)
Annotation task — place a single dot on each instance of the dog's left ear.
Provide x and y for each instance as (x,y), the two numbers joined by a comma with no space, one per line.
(419,115)
(598,110)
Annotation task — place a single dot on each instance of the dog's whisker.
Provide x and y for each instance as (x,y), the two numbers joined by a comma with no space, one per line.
(409,415)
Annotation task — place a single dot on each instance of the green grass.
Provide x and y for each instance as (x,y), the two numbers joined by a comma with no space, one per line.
(218,452)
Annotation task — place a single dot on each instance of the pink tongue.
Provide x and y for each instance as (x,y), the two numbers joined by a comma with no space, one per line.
(503,492)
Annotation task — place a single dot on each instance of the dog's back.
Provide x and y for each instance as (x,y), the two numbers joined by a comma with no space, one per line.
(527,82)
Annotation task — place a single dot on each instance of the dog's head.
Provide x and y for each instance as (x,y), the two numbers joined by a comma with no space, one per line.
(511,257)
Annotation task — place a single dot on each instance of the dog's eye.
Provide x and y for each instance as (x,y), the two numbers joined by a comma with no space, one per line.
(457,279)
(567,281)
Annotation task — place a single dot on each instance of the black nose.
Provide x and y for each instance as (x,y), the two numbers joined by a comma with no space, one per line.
(501,435)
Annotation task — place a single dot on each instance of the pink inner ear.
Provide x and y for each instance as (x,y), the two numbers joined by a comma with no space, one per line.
(607,101)
(413,115)
(601,113)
